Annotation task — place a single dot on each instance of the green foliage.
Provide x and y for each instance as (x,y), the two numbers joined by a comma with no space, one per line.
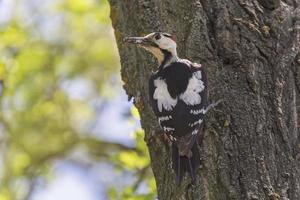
(39,120)
(139,163)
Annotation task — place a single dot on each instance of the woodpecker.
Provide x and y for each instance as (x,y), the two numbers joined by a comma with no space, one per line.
(178,96)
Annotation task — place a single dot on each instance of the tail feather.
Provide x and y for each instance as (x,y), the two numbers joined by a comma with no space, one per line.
(183,164)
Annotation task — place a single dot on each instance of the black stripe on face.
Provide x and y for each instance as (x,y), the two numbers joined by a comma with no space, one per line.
(153,44)
(167,35)
(167,57)
(167,54)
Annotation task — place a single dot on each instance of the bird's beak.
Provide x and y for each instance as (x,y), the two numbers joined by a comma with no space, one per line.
(143,41)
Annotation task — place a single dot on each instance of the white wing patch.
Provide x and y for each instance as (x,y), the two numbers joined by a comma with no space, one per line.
(191,96)
(162,95)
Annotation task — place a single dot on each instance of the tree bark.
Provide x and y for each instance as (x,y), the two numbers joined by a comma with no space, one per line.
(250,50)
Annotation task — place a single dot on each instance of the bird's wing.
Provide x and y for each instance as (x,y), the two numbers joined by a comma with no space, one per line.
(190,109)
(183,113)
(162,103)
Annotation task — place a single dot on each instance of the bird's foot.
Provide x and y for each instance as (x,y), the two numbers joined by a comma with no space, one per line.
(165,138)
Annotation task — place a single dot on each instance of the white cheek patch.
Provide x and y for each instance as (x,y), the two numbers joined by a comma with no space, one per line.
(162,95)
(166,43)
(191,96)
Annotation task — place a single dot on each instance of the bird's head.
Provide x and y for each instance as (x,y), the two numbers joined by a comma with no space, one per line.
(161,45)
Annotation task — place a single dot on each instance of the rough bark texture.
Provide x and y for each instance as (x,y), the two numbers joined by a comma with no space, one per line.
(250,50)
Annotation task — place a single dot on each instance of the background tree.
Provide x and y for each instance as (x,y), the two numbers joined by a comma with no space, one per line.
(250,50)
(51,51)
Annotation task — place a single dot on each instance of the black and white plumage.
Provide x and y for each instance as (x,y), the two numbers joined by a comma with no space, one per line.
(178,96)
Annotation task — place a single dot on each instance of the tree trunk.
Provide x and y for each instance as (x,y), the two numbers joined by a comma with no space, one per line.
(250,50)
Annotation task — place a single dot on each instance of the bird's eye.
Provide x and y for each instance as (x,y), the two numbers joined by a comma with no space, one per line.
(157,36)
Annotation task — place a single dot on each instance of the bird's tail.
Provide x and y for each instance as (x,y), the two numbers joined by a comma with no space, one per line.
(186,163)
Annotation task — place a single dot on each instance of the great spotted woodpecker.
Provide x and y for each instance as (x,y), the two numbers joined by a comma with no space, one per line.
(178,96)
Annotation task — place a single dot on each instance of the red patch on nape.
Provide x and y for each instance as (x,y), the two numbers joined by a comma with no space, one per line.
(173,37)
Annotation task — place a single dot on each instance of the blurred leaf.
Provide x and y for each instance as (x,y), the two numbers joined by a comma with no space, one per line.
(13,36)
(42,119)
(20,161)
(79,5)
(131,160)
(139,162)
(112,193)
(135,113)
(2,71)
(140,143)
(4,195)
